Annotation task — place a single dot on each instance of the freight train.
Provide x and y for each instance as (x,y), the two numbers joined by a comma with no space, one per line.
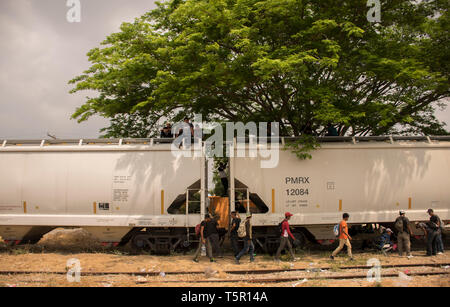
(138,191)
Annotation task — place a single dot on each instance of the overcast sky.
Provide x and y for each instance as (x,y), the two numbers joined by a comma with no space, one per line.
(40,51)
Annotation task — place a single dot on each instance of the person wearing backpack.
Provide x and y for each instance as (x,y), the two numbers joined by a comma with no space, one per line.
(284,240)
(402,225)
(235,223)
(344,238)
(248,241)
(213,236)
(204,239)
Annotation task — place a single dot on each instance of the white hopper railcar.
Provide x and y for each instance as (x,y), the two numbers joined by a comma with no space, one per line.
(371,178)
(136,189)
(111,188)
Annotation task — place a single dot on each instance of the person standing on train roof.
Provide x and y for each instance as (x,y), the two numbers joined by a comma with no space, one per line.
(434,218)
(223,178)
(248,240)
(344,238)
(204,240)
(166,132)
(284,240)
(404,231)
(190,128)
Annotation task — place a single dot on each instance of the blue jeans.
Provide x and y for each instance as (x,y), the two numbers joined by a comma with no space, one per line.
(248,246)
(439,242)
(431,243)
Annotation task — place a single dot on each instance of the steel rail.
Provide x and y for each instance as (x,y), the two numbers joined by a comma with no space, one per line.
(290,279)
(235,272)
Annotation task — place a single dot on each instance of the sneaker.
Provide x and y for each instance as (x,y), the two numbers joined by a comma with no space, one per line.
(195,260)
(212,260)
(252,260)
(296,259)
(332,257)
(410,256)
(440,253)
(352,259)
(236,261)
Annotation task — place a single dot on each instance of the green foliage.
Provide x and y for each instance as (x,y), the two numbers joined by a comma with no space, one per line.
(303,146)
(219,189)
(302,63)
(134,125)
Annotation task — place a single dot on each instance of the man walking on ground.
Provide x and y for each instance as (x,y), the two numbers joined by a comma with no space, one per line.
(204,239)
(404,232)
(285,234)
(235,222)
(344,238)
(211,227)
(435,220)
(248,242)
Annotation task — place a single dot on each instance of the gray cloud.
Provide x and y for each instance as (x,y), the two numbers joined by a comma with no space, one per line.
(40,52)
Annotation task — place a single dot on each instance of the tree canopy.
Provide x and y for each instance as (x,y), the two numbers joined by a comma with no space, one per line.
(302,63)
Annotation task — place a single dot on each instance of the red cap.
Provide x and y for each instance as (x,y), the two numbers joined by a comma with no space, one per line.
(288,214)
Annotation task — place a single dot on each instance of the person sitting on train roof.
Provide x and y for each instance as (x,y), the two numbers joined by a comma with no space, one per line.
(166,132)
(331,130)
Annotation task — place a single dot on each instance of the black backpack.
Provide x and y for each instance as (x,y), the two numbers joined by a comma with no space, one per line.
(399,224)
(280,227)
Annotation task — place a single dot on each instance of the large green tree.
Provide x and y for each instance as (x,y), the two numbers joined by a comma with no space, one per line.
(302,63)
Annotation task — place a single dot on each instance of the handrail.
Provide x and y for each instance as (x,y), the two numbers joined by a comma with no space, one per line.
(246,139)
(329,139)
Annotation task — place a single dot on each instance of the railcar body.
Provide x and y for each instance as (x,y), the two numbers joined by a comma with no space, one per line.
(109,188)
(371,179)
(139,190)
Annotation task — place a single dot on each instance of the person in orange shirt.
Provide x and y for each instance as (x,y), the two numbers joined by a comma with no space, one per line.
(344,238)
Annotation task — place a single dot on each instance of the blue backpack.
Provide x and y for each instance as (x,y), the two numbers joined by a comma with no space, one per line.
(336,230)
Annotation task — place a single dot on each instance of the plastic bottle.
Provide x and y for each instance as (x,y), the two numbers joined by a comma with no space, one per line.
(203,253)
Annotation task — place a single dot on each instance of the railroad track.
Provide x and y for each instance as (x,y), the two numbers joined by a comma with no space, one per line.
(232,272)
(291,279)
(243,276)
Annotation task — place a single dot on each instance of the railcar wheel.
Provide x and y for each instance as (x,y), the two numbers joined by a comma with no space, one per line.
(139,241)
(301,238)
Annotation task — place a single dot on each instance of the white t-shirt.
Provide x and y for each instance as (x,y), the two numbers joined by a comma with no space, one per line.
(222,174)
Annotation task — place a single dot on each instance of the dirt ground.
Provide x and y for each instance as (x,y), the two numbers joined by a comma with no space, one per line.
(165,265)
(43,257)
